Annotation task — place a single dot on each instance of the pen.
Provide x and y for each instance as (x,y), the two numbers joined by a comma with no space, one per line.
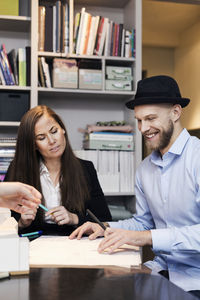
(31,233)
(96,219)
(43,207)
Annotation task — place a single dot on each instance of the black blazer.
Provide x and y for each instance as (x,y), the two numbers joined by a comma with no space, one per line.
(97,204)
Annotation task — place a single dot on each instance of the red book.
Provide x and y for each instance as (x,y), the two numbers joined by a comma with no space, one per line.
(99,33)
(114,39)
(117,41)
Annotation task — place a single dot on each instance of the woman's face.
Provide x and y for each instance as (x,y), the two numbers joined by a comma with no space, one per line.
(50,138)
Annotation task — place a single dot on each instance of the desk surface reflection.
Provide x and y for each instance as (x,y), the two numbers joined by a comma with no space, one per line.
(90,284)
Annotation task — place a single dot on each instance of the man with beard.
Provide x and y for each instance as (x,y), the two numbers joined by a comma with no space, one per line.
(167,188)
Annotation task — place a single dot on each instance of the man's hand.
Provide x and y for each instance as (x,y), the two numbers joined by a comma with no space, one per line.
(114,238)
(18,196)
(89,228)
(61,216)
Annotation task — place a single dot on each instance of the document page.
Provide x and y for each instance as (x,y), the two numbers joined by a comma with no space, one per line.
(61,251)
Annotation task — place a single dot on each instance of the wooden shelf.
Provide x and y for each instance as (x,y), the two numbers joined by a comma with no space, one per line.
(116,94)
(15,87)
(105,3)
(9,124)
(114,58)
(15,23)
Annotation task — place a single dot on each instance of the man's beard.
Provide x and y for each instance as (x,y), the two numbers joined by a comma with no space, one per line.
(165,138)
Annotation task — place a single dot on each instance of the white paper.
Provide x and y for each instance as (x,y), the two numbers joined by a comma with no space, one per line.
(61,251)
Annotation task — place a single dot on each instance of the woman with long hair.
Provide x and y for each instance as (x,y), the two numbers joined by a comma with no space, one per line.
(69,185)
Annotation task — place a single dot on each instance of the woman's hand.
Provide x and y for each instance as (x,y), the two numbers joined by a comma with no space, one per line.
(61,216)
(27,218)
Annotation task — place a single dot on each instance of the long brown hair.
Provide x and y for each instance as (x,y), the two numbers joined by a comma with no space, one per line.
(26,164)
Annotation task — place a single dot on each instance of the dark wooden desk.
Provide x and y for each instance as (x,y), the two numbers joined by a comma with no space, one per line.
(89,284)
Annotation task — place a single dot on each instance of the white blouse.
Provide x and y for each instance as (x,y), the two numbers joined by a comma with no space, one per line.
(50,192)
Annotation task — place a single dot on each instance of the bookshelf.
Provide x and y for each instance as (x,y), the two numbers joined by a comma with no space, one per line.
(78,107)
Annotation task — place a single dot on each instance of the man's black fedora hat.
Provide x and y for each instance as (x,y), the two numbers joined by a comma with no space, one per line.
(157,89)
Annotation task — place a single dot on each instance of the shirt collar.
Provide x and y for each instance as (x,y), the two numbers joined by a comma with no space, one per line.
(43,168)
(176,148)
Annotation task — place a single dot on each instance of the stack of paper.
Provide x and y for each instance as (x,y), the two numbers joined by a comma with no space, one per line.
(61,251)
(14,256)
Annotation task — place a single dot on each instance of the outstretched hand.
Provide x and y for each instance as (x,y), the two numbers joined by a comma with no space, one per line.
(19,196)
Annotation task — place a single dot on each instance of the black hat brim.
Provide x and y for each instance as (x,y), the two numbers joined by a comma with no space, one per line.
(153,100)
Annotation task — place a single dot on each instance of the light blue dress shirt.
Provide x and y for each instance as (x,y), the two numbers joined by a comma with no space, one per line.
(168,203)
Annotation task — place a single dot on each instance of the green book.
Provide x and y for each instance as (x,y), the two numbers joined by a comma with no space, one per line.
(22,66)
(10,7)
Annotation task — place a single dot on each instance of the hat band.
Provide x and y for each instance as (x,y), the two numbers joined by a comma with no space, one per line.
(157,94)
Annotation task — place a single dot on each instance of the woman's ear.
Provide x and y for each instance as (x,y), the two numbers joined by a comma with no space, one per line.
(63,131)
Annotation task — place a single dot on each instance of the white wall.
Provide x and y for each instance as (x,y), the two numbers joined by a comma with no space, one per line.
(187,73)
(158,60)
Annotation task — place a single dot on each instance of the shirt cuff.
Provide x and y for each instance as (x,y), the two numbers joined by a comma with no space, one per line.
(162,240)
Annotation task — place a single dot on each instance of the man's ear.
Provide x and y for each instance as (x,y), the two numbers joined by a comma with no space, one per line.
(176,112)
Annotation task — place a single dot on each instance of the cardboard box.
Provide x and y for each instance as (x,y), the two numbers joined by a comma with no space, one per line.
(90,79)
(108,145)
(119,85)
(13,105)
(65,73)
(119,73)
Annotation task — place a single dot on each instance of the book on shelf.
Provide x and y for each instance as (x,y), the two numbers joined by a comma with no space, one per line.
(2,79)
(10,8)
(6,140)
(112,31)
(102,37)
(46,72)
(28,65)
(92,35)
(133,39)
(87,33)
(4,163)
(123,43)
(12,57)
(5,67)
(80,29)
(53,27)
(127,49)
(120,39)
(107,40)
(83,38)
(76,29)
(66,27)
(22,66)
(116,41)
(48,36)
(41,27)
(4,53)
(98,36)
(58,25)
(4,71)
(41,73)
